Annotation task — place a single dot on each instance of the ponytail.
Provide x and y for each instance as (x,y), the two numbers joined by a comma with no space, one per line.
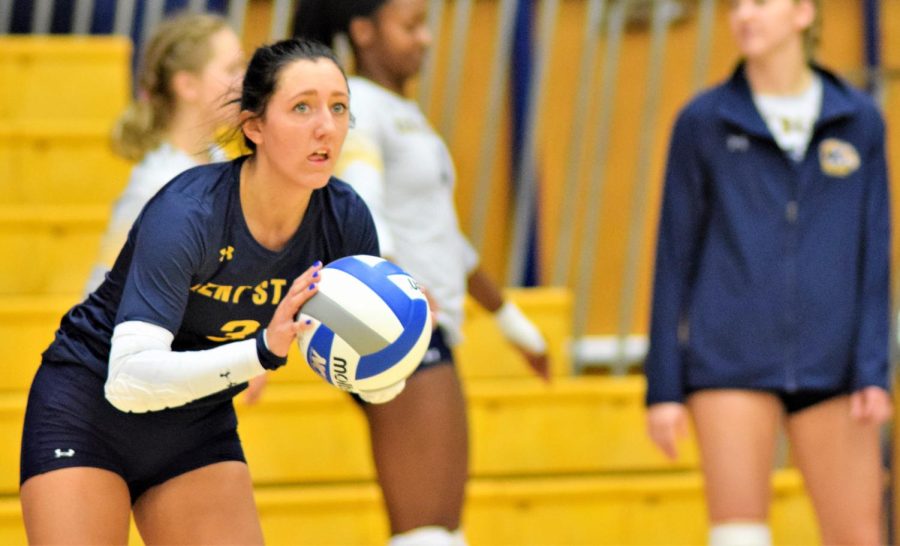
(180,43)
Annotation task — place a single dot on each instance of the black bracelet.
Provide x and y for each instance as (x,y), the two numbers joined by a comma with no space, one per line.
(267,358)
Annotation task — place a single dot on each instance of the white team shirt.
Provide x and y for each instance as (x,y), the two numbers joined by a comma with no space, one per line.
(402,169)
(155,170)
(791,118)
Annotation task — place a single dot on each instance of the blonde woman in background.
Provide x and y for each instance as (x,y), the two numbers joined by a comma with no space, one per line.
(773,252)
(189,71)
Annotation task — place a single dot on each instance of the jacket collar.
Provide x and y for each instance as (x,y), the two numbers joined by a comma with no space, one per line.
(736,105)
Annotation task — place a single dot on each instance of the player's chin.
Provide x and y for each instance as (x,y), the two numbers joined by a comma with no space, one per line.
(319,178)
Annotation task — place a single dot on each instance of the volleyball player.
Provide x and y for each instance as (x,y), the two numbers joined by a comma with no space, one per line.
(131,410)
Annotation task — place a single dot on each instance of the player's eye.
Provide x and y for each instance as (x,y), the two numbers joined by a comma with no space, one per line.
(339,108)
(302,107)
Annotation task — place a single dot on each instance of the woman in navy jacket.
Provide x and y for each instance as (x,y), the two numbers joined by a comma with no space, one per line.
(771,299)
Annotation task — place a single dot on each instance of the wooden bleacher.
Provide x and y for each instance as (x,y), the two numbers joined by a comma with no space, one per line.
(561,463)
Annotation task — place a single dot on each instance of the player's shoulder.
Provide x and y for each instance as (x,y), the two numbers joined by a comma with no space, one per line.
(203,183)
(197,192)
(372,104)
(342,193)
(849,98)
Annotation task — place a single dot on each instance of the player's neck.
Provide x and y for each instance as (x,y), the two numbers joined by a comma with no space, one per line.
(383,78)
(272,215)
(781,74)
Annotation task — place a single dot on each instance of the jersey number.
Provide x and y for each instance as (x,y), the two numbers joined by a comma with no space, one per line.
(236,329)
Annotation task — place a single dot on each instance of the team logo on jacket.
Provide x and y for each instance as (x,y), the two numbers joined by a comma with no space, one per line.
(838,158)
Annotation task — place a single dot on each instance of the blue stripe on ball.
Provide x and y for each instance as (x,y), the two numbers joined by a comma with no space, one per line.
(375,363)
(394,297)
(321,342)
(389,268)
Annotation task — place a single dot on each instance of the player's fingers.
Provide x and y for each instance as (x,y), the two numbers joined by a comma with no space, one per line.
(665,439)
(541,366)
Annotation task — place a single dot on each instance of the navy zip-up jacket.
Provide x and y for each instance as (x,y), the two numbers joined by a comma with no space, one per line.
(771,273)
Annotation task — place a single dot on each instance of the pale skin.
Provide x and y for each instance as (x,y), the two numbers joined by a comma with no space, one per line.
(200,97)
(214,504)
(835,444)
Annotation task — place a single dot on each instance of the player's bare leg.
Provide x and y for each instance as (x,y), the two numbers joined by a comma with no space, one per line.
(840,459)
(210,505)
(76,506)
(420,447)
(737,432)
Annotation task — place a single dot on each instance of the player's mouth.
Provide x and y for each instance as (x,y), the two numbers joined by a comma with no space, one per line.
(320,155)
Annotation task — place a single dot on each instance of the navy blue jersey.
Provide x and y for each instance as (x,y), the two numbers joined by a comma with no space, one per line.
(191,266)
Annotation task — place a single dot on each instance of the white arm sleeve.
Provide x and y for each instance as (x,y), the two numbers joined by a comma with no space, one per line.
(146,375)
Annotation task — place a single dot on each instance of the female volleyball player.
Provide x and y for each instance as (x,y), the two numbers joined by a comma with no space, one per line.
(403,170)
(201,298)
(771,290)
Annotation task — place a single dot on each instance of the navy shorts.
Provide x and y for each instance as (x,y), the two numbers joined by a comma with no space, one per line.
(438,354)
(794,401)
(69,423)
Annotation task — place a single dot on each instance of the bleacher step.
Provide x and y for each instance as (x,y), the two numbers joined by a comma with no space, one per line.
(314,433)
(660,509)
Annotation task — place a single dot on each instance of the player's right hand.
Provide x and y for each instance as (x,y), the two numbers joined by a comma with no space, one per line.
(667,423)
(283,328)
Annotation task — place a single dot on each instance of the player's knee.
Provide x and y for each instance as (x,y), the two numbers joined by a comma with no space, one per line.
(431,535)
(740,534)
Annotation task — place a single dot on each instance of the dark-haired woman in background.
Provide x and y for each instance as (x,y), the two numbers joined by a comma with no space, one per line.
(403,170)
(131,408)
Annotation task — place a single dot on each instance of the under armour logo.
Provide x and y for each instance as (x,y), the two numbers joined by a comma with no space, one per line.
(226,253)
(227,377)
(67,453)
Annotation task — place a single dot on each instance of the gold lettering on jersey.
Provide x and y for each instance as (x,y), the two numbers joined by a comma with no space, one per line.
(222,293)
(235,330)
(271,291)
(260,296)
(239,291)
(277,286)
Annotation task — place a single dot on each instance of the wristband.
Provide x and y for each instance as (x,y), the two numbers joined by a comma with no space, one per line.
(267,358)
(519,330)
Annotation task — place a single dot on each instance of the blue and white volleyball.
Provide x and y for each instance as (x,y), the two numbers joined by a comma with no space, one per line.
(370,324)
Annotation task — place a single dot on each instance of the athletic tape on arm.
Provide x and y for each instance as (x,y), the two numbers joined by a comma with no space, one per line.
(518,329)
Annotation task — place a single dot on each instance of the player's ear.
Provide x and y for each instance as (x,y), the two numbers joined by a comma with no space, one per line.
(362,31)
(185,86)
(251,125)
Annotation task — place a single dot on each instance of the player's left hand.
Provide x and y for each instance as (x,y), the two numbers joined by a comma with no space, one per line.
(283,328)
(539,363)
(871,405)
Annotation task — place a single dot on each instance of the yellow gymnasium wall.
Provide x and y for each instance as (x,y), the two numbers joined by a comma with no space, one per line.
(841,49)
